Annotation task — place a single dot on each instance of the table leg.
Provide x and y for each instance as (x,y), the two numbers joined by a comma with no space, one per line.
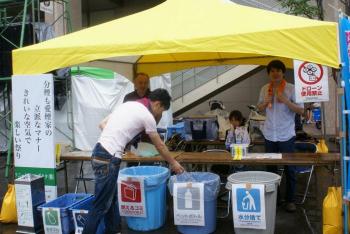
(65,175)
(81,176)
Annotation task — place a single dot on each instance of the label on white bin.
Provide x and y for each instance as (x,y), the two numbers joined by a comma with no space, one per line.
(52,220)
(189,204)
(248,206)
(131,196)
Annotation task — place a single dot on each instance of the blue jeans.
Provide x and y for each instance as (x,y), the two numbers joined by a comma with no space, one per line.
(284,147)
(105,206)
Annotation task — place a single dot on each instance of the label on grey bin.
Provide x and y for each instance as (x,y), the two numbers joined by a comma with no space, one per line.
(189,204)
(248,206)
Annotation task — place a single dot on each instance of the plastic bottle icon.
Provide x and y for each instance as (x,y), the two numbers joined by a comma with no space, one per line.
(81,219)
(51,218)
(188,199)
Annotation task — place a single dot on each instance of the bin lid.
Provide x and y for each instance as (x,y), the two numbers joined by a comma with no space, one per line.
(211,182)
(153,175)
(252,177)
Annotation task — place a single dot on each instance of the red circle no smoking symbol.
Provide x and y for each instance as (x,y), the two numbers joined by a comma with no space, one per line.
(310,73)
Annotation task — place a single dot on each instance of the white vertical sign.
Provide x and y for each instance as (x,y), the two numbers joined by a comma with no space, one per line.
(248,206)
(311,82)
(189,204)
(33,128)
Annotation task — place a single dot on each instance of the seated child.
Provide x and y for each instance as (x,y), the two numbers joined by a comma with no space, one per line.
(238,134)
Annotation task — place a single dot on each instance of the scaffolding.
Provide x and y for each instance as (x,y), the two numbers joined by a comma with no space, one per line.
(22,13)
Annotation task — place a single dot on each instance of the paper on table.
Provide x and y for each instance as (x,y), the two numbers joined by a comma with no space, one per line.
(263,156)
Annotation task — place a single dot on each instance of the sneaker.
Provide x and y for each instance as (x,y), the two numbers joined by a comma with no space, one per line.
(290,207)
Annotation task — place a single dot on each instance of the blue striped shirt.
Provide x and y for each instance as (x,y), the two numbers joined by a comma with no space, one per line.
(279,124)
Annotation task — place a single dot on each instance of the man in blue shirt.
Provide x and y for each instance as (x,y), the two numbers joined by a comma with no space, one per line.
(277,99)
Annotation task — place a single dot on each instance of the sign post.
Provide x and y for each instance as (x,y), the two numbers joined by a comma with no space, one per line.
(33,128)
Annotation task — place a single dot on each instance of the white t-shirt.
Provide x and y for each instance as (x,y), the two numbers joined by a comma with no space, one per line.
(125,122)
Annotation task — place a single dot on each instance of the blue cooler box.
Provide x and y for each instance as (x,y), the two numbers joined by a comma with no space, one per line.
(176,128)
(201,128)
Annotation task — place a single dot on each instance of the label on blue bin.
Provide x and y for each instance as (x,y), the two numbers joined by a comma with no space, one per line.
(248,206)
(80,217)
(131,196)
(189,204)
(52,220)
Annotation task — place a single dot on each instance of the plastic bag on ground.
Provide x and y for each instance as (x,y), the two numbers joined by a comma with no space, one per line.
(8,210)
(332,211)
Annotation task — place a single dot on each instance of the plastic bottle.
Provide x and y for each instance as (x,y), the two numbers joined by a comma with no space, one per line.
(188,199)
(229,140)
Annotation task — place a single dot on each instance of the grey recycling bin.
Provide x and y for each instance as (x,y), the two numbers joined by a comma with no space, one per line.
(271,182)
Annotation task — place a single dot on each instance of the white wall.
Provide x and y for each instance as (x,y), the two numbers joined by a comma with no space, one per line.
(240,95)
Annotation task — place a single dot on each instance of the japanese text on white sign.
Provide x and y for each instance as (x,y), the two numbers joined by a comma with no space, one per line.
(248,206)
(131,197)
(189,204)
(33,128)
(311,82)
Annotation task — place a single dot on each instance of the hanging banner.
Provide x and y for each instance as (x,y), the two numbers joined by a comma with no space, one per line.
(189,204)
(52,220)
(248,206)
(33,125)
(131,196)
(311,82)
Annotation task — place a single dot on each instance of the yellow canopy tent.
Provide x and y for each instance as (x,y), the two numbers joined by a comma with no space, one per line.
(179,34)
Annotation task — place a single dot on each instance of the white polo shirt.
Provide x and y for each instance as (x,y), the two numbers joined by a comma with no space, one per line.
(125,122)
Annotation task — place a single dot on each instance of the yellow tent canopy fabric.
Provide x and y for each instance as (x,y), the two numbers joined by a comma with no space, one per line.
(179,34)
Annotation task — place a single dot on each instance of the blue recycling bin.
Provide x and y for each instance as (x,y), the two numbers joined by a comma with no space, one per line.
(155,196)
(211,189)
(64,203)
(80,212)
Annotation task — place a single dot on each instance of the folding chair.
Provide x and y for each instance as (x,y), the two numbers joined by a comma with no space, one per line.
(305,147)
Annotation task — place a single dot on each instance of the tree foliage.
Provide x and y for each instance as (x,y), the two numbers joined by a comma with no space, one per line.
(303,8)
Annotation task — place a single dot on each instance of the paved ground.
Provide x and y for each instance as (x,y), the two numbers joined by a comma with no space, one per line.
(285,222)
